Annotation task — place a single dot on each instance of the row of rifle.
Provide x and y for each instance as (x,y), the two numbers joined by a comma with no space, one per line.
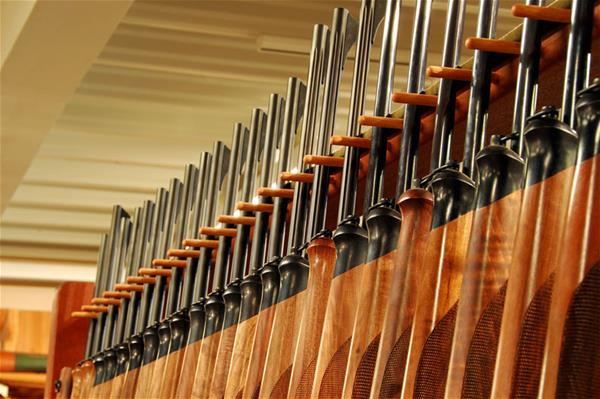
(480,279)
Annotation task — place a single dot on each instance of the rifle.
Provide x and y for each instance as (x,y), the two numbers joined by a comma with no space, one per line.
(490,245)
(382,219)
(215,385)
(573,317)
(195,289)
(228,382)
(552,147)
(150,336)
(141,321)
(293,268)
(179,320)
(321,249)
(349,237)
(214,306)
(258,335)
(415,205)
(130,303)
(105,360)
(83,372)
(167,339)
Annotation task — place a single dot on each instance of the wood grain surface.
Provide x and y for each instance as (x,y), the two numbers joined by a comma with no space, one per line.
(416,206)
(87,378)
(542,214)
(486,271)
(240,357)
(321,257)
(117,385)
(280,354)
(222,363)
(206,365)
(188,369)
(76,382)
(130,383)
(173,366)
(66,383)
(258,355)
(580,251)
(374,292)
(158,372)
(144,378)
(338,324)
(439,287)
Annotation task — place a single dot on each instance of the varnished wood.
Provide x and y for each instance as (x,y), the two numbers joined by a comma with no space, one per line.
(130,383)
(486,271)
(189,242)
(357,142)
(276,192)
(579,253)
(381,121)
(258,355)
(297,177)
(243,220)
(439,288)
(169,263)
(106,301)
(222,363)
(331,161)
(368,320)
(240,357)
(183,253)
(155,272)
(548,14)
(535,251)
(188,370)
(94,308)
(75,383)
(129,287)
(441,72)
(141,280)
(66,383)
(173,366)
(206,366)
(158,375)
(284,335)
(84,315)
(87,378)
(220,232)
(116,294)
(116,386)
(251,207)
(144,379)
(424,100)
(337,331)
(493,45)
(416,207)
(322,258)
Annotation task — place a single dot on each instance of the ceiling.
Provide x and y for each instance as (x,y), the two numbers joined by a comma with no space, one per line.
(173,77)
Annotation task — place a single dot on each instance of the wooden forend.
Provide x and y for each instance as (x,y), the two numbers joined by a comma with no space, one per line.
(356,142)
(548,14)
(323,160)
(423,100)
(251,207)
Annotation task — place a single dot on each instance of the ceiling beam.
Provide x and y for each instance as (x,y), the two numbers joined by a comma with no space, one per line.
(55,46)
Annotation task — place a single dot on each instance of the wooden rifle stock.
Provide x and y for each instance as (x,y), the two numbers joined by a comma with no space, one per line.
(322,257)
(573,322)
(415,207)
